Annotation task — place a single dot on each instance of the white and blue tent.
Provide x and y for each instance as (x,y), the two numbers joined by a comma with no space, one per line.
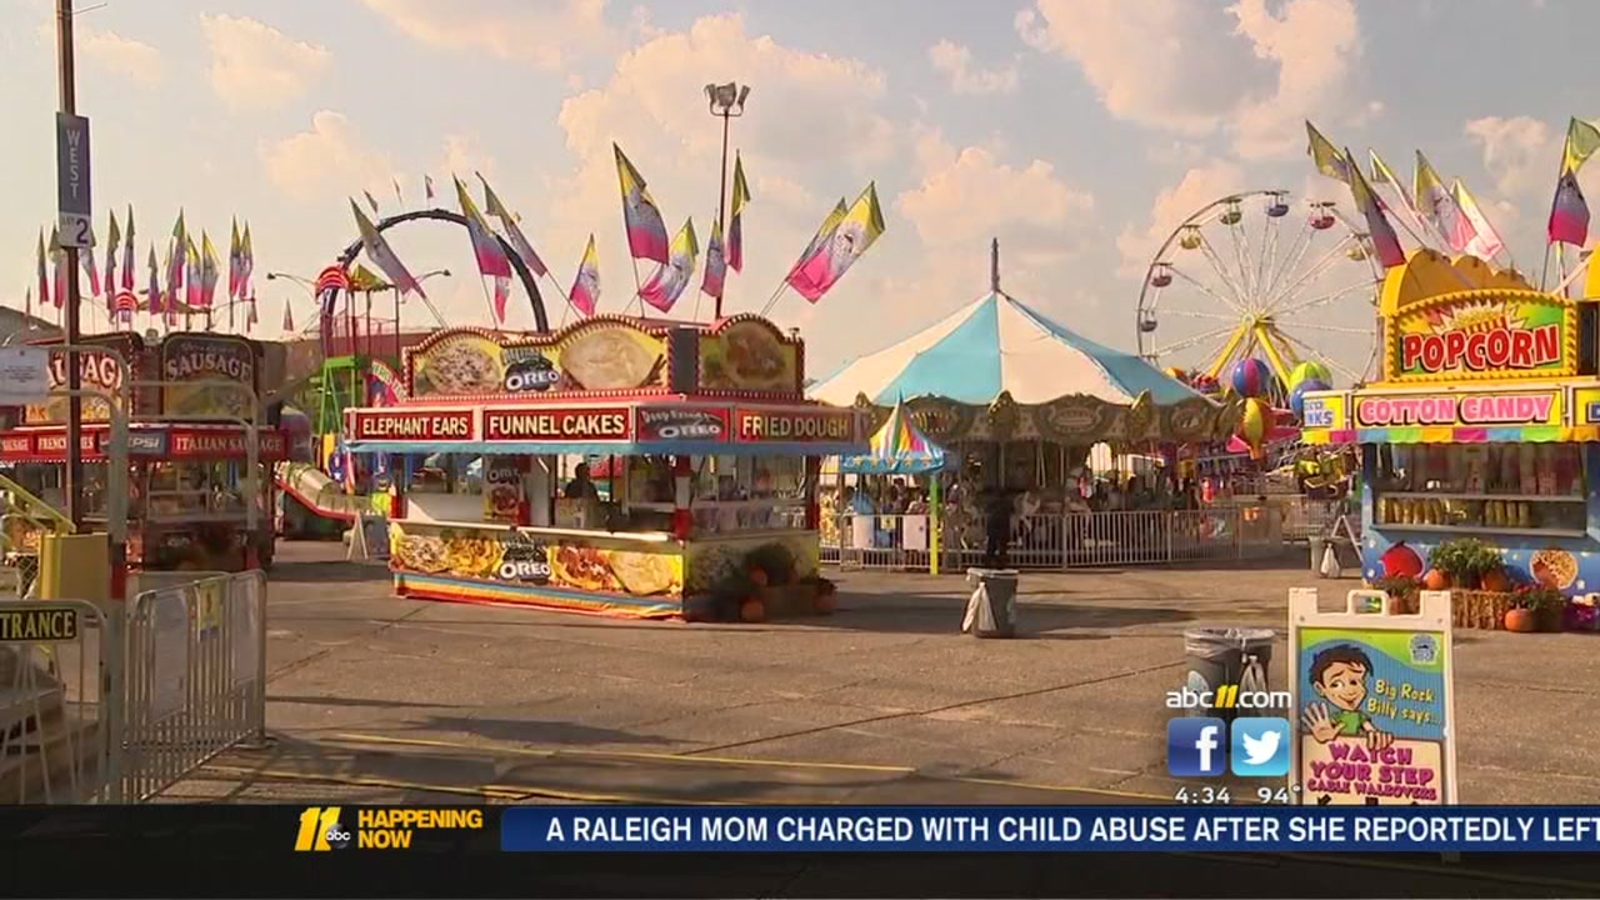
(998,344)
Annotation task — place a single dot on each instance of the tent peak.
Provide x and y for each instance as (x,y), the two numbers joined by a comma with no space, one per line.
(994,265)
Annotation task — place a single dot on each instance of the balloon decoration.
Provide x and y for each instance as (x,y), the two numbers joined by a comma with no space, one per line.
(1250,378)
(1297,397)
(1258,418)
(1308,370)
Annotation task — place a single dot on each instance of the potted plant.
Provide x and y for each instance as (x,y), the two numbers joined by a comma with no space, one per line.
(1535,608)
(1402,591)
(1464,561)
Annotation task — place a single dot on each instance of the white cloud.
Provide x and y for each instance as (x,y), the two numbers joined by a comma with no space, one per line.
(1197,69)
(1198,187)
(1521,154)
(963,203)
(330,160)
(254,65)
(542,33)
(119,56)
(954,61)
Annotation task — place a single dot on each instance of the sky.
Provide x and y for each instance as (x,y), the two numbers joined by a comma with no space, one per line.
(1080,133)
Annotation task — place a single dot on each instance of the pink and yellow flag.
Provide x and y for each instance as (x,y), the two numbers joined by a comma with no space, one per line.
(1569,214)
(668,283)
(1326,157)
(647,233)
(210,271)
(855,233)
(1385,243)
(383,256)
(513,231)
(716,275)
(1486,242)
(585,293)
(128,257)
(492,261)
(1435,202)
(152,294)
(43,274)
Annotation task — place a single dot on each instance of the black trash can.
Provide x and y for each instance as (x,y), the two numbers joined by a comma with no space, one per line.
(992,611)
(1220,657)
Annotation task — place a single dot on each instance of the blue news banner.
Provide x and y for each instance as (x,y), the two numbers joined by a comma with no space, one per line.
(566,829)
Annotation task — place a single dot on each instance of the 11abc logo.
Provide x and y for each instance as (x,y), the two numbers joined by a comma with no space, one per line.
(320,829)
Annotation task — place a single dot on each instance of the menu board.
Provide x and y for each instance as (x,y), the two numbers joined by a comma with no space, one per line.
(749,355)
(98,371)
(514,557)
(600,355)
(196,367)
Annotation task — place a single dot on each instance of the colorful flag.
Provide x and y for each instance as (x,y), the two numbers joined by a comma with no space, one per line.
(585,293)
(667,284)
(382,255)
(1382,174)
(235,261)
(427,186)
(741,196)
(364,280)
(210,271)
(44,274)
(1433,199)
(247,255)
(647,233)
(823,235)
(152,293)
(1583,140)
(27,304)
(113,244)
(89,266)
(486,247)
(192,280)
(180,242)
(372,202)
(124,304)
(127,253)
(251,319)
(716,265)
(1326,157)
(1569,214)
(1486,241)
(853,236)
(288,318)
(57,257)
(1385,243)
(513,231)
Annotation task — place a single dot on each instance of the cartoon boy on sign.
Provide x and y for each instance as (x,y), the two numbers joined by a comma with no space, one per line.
(1339,675)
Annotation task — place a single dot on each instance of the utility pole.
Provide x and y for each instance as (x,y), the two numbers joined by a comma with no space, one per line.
(69,106)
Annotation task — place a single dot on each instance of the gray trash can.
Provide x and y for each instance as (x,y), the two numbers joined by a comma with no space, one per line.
(992,611)
(1228,656)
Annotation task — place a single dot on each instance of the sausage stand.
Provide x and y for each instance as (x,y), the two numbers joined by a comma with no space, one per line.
(710,448)
(187,458)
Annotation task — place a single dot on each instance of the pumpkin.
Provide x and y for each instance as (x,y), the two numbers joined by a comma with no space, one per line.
(1436,580)
(825,604)
(752,610)
(758,576)
(1496,581)
(1522,621)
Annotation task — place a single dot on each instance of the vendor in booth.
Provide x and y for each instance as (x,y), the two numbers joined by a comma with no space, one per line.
(581,487)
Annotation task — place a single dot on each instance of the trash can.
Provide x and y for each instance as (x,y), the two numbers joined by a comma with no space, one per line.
(992,611)
(1220,657)
(1319,546)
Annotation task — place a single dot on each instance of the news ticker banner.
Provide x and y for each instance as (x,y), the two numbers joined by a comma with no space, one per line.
(876,829)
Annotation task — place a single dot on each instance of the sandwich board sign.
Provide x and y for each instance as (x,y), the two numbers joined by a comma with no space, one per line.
(1374,701)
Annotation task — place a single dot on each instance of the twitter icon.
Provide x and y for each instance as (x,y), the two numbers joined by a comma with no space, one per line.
(1260,748)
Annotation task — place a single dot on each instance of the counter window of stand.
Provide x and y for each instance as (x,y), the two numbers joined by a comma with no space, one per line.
(749,493)
(1492,488)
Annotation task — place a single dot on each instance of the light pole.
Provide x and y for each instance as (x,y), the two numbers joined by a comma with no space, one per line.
(69,105)
(726,102)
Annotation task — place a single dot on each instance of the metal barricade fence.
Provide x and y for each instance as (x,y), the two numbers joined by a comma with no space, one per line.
(1305,517)
(196,678)
(1113,538)
(57,717)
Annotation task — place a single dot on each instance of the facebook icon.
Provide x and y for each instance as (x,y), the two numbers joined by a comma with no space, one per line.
(1194,747)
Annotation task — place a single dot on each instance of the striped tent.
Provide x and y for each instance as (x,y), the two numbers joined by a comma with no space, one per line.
(899,448)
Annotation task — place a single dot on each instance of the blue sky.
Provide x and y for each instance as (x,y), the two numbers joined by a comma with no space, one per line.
(1080,132)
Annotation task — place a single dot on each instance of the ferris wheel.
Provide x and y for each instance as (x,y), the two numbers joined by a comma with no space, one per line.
(1248,276)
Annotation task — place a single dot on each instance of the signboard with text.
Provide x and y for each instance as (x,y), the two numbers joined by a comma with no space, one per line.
(101,372)
(682,423)
(1483,335)
(795,425)
(413,425)
(580,425)
(1467,410)
(199,371)
(73,206)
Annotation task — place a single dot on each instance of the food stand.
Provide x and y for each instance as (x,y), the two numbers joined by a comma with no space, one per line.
(1486,424)
(719,488)
(187,506)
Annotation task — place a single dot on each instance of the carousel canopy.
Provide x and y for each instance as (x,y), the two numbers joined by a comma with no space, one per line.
(997,344)
(899,448)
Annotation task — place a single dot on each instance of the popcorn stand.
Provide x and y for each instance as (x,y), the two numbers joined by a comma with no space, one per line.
(1486,424)
(708,450)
